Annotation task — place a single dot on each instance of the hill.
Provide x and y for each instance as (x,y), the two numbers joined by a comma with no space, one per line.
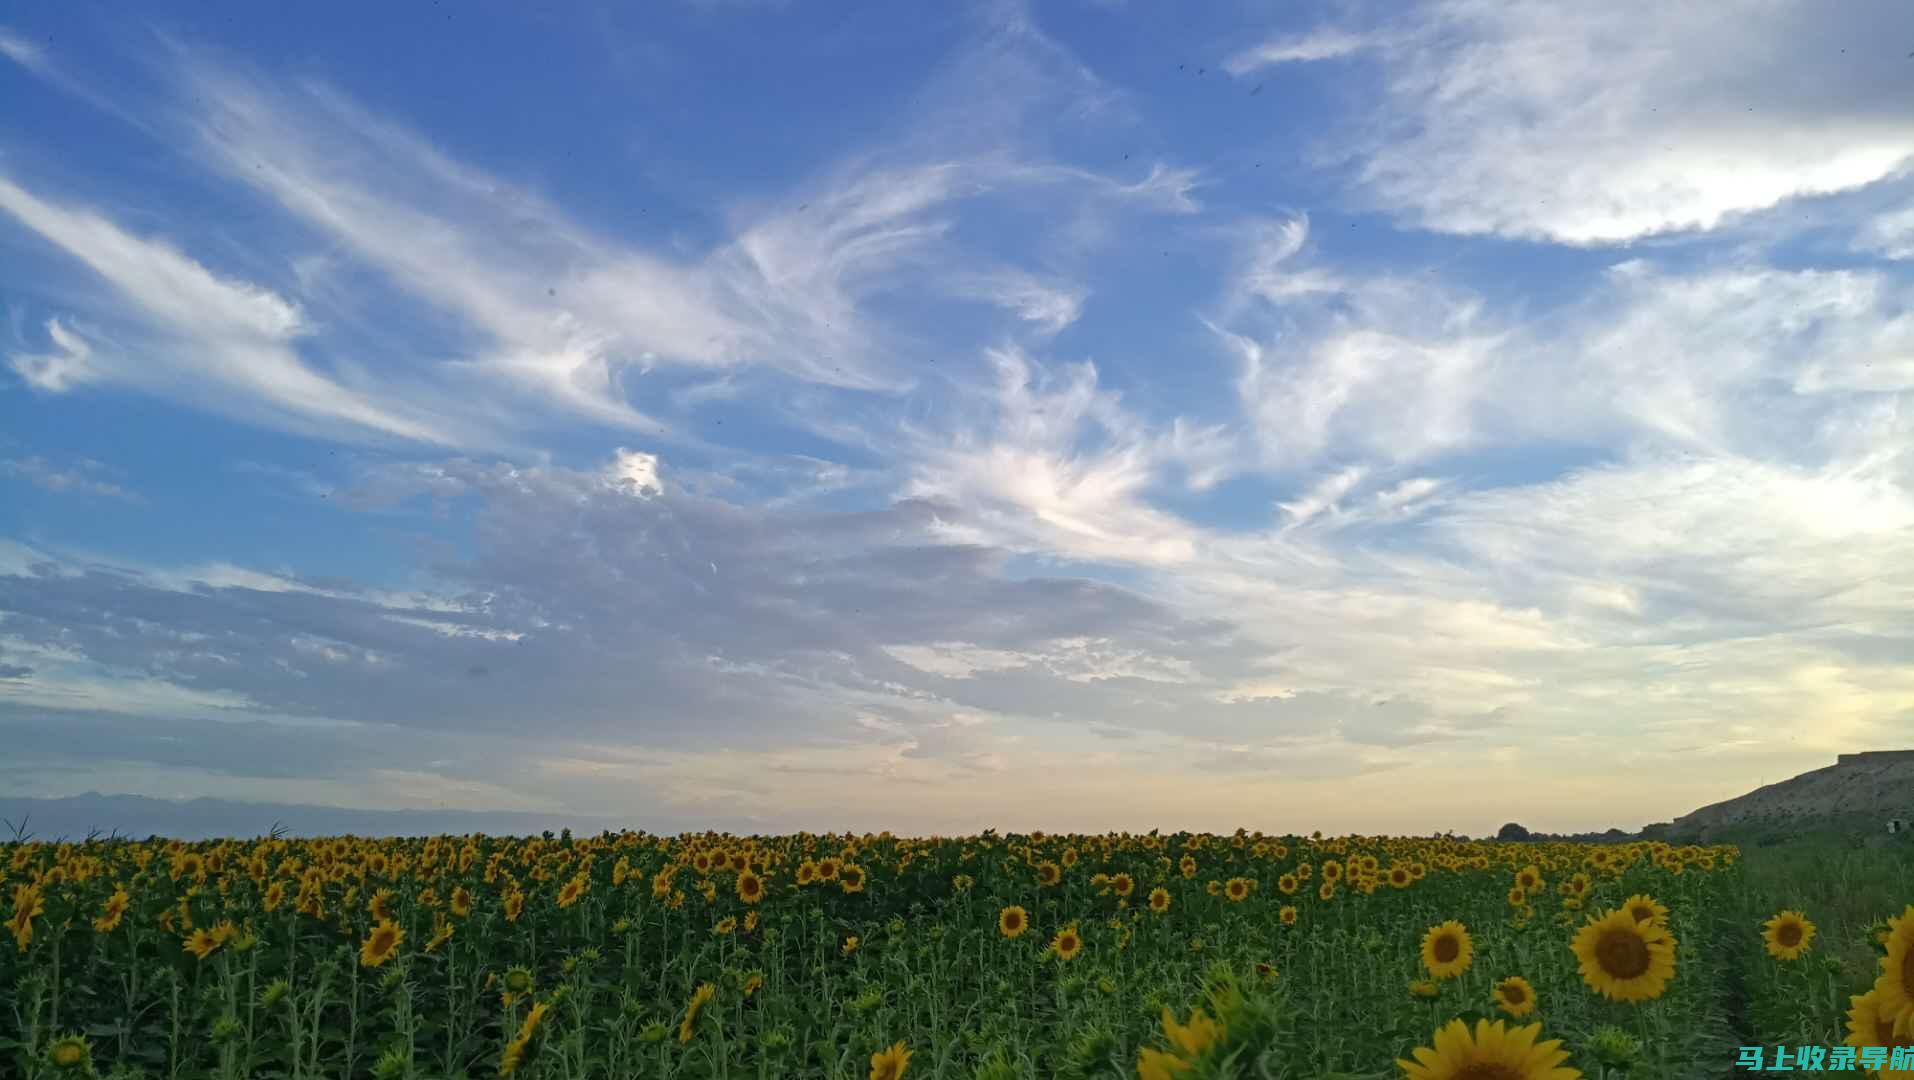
(1861,791)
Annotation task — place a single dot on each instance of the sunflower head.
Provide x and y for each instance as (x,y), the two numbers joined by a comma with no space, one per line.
(890,1063)
(1645,908)
(380,944)
(1494,1050)
(1871,1023)
(1159,899)
(850,878)
(1012,921)
(1515,996)
(1895,986)
(1447,950)
(1067,944)
(1788,935)
(1625,960)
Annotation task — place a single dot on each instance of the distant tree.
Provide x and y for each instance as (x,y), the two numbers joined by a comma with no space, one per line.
(1511,831)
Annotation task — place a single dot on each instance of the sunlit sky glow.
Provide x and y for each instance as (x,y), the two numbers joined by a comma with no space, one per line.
(1068,415)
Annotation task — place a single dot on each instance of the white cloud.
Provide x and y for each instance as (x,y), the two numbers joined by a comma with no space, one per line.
(635,471)
(1055,465)
(1890,235)
(1294,49)
(85,477)
(1049,306)
(57,372)
(1395,370)
(1602,123)
(199,328)
(23,52)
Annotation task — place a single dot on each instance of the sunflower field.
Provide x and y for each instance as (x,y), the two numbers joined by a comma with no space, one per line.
(999,956)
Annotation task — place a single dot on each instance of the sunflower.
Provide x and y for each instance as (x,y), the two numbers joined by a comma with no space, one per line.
(71,1053)
(1895,986)
(275,896)
(1425,988)
(1012,921)
(573,889)
(1123,884)
(1194,1037)
(201,943)
(850,944)
(1646,908)
(1515,996)
(1159,899)
(1265,970)
(851,878)
(1287,884)
(750,887)
(826,870)
(1326,891)
(806,872)
(1187,866)
(689,1025)
(1400,877)
(514,906)
(890,1064)
(1447,950)
(461,902)
(1288,915)
(1871,1025)
(381,944)
(112,912)
(1625,960)
(380,906)
(1493,1050)
(1518,896)
(27,903)
(1788,935)
(1237,889)
(1332,870)
(1529,878)
(725,925)
(1067,944)
(1048,874)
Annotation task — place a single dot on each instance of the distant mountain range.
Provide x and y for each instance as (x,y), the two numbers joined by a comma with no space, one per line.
(1865,790)
(138,816)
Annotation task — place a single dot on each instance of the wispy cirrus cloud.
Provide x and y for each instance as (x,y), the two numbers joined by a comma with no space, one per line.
(1575,124)
(84,477)
(1298,49)
(215,331)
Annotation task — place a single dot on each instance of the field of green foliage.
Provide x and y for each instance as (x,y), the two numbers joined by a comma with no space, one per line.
(1159,956)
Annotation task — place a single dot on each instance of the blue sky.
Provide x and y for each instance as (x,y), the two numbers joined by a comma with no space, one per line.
(1073,415)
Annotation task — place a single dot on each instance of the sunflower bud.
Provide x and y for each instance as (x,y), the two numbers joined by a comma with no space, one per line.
(71,1054)
(226,1029)
(1614,1047)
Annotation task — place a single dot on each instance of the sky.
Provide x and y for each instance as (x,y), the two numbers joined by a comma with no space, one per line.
(1067,415)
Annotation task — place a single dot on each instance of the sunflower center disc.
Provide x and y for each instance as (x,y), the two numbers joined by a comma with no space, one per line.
(1487,1070)
(1622,954)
